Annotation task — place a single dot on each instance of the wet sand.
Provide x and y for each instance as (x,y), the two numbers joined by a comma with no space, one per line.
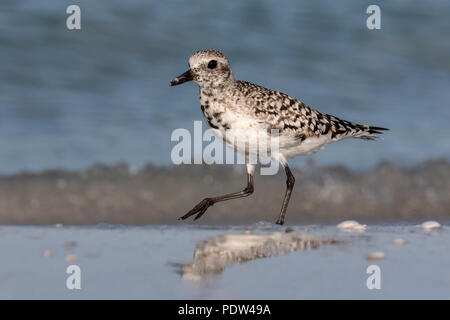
(125,262)
(159,195)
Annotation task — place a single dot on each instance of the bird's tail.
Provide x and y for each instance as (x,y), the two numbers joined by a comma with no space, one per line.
(369,132)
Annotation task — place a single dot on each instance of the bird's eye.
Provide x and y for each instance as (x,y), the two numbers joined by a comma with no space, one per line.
(212,64)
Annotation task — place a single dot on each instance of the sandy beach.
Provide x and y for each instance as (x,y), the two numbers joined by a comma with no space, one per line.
(124,262)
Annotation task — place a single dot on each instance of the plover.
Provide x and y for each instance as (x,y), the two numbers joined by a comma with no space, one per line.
(228,104)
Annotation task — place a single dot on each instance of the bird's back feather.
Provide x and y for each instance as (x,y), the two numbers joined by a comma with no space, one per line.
(292,117)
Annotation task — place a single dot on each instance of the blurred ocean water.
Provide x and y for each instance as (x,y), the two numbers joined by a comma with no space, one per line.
(69,99)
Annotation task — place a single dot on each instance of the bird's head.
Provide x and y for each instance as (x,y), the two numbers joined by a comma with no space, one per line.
(207,68)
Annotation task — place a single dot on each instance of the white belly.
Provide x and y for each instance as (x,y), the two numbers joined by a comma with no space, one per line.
(259,143)
(245,142)
(291,147)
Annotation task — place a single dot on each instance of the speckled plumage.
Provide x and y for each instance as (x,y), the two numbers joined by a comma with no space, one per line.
(229,105)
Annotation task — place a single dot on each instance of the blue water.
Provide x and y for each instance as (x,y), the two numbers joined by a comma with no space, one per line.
(69,99)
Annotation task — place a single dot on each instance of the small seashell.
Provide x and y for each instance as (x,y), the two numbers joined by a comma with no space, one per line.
(70,245)
(47,254)
(431,225)
(374,256)
(71,258)
(352,225)
(398,242)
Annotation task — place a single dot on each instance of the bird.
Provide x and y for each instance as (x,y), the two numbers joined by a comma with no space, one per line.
(228,104)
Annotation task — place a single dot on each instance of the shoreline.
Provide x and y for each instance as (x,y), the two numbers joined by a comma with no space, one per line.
(159,195)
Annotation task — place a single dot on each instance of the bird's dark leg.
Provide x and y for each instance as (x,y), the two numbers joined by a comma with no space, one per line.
(289,186)
(203,205)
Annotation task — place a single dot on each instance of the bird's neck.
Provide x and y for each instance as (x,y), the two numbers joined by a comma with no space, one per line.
(209,89)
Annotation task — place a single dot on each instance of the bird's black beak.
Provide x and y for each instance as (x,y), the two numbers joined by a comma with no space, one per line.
(185,77)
